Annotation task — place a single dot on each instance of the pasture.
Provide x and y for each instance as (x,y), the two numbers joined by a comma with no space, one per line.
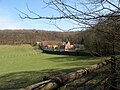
(22,65)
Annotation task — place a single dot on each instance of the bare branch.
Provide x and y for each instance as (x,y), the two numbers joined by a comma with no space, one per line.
(113,4)
(73,11)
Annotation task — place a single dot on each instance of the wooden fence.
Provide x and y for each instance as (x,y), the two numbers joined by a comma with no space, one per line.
(102,76)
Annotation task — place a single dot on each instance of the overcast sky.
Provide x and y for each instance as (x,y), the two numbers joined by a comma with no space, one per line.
(9,18)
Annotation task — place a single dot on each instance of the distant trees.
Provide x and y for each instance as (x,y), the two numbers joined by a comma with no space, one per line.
(32,36)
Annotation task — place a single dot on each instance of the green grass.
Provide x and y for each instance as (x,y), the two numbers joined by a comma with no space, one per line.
(22,65)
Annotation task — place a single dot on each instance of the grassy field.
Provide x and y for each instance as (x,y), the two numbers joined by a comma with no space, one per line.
(22,65)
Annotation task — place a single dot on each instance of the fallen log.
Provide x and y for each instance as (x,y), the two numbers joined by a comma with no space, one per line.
(61,80)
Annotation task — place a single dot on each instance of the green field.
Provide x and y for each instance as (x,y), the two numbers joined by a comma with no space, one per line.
(22,65)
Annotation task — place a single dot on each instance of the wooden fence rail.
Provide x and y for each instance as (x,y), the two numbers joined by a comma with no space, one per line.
(63,79)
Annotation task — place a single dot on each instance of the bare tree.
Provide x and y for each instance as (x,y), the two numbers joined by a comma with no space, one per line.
(84,13)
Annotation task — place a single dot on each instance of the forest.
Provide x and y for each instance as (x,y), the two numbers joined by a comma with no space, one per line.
(32,36)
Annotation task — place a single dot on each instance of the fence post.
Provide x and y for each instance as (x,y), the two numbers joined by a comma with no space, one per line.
(113,83)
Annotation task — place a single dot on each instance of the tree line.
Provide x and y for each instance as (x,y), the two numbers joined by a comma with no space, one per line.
(33,36)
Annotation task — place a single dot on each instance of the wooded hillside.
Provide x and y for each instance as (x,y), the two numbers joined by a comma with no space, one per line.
(32,36)
(95,39)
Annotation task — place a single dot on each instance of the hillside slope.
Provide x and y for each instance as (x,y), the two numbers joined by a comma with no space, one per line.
(32,36)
